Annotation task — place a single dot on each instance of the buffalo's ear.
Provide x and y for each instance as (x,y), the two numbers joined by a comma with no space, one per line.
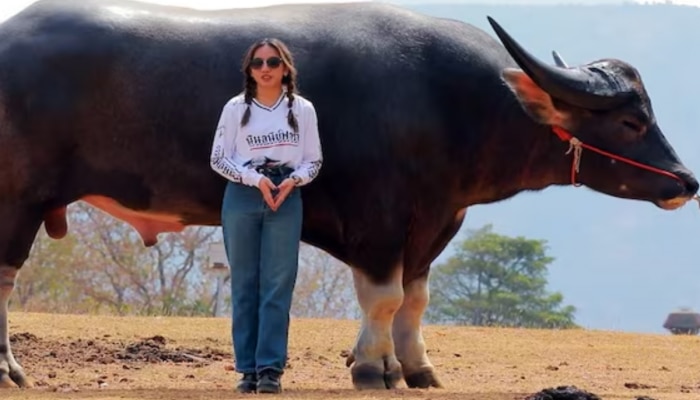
(536,102)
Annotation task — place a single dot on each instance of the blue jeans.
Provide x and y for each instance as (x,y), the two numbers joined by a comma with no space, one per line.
(262,247)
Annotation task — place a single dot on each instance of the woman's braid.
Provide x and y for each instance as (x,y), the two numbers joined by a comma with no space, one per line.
(249,95)
(290,115)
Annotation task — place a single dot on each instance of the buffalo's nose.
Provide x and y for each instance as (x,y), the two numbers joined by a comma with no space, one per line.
(691,184)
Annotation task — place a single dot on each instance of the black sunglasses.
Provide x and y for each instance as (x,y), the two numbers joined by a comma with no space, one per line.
(272,62)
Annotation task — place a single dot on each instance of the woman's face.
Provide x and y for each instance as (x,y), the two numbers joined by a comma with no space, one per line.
(267,67)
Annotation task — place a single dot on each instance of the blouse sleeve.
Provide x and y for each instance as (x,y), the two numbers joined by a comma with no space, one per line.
(312,158)
(224,147)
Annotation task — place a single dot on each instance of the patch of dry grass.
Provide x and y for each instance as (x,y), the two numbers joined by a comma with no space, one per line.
(473,363)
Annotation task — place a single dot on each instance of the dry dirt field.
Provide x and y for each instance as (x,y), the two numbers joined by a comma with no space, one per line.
(88,357)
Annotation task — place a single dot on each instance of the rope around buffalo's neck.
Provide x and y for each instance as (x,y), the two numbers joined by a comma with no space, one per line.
(577,146)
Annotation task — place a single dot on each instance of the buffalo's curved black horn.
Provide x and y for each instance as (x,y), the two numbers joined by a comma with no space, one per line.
(577,86)
(559,60)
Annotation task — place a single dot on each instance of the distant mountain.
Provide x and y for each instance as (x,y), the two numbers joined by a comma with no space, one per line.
(544,2)
(624,264)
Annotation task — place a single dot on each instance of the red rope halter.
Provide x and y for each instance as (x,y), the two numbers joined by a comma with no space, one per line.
(577,146)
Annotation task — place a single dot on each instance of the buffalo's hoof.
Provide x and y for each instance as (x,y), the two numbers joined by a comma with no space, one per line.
(373,376)
(12,378)
(423,378)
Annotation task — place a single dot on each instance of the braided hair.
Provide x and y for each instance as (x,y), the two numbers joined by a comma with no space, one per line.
(289,79)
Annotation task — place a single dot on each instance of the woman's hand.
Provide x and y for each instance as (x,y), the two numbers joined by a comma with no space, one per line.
(284,189)
(266,187)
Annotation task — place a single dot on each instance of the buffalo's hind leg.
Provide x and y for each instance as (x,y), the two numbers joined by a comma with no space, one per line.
(18,228)
(11,373)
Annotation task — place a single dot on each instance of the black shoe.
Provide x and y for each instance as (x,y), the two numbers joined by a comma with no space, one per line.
(247,384)
(269,382)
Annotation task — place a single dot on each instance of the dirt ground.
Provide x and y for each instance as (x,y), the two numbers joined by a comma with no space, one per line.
(92,357)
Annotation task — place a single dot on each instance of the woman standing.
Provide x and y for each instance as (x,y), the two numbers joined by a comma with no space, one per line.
(267,145)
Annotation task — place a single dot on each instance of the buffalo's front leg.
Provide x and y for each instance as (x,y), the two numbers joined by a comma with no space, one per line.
(375,363)
(418,371)
(11,373)
(423,247)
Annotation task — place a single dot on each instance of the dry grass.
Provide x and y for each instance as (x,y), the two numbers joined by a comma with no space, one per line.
(473,363)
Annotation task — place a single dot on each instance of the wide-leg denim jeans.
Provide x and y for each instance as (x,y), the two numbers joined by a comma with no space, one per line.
(262,247)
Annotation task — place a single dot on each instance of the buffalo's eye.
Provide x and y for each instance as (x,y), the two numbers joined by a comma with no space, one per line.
(633,125)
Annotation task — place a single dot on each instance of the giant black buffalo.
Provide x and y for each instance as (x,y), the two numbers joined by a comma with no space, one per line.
(115,103)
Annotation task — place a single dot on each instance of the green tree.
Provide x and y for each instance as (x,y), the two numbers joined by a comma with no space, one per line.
(495,280)
(41,284)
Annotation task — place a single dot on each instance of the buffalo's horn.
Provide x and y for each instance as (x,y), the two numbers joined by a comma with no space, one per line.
(581,86)
(558,60)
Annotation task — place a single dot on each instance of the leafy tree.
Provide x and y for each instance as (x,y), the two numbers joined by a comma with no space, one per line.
(495,280)
(123,276)
(101,266)
(324,287)
(41,283)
